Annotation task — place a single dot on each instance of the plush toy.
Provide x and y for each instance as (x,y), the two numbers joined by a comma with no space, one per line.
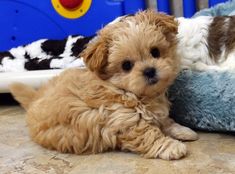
(44,54)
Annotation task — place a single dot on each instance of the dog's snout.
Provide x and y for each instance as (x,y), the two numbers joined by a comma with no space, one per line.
(150,72)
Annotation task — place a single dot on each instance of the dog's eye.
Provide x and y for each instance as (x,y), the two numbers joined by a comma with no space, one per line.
(127,65)
(155,52)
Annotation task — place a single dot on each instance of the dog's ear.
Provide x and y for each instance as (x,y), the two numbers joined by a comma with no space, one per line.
(168,23)
(95,54)
(169,26)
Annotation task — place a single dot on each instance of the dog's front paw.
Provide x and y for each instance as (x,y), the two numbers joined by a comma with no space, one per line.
(181,132)
(130,104)
(172,150)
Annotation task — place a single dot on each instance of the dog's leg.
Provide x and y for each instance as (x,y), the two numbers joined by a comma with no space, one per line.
(149,141)
(108,98)
(179,132)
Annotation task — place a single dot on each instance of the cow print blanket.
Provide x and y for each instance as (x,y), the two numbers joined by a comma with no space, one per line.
(45,54)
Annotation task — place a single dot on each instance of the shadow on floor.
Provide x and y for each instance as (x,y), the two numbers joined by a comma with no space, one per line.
(6,99)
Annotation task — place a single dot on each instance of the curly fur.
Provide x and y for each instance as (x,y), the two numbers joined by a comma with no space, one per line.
(104,107)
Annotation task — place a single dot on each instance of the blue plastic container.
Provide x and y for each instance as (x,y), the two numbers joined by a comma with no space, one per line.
(214,2)
(24,21)
(189,8)
(164,6)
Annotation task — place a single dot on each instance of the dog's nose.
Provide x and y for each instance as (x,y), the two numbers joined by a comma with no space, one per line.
(150,72)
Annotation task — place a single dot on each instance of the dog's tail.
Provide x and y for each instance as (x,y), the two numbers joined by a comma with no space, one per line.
(23,94)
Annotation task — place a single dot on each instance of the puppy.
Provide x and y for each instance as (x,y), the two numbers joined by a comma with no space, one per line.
(207,43)
(119,101)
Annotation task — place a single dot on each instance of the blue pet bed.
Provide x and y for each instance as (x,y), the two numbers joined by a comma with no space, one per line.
(206,100)
(222,9)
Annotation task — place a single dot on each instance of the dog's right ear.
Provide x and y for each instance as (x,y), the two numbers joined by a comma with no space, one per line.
(95,54)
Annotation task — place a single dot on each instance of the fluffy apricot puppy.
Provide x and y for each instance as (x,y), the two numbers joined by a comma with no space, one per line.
(119,101)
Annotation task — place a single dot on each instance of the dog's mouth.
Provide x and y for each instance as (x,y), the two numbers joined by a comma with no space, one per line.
(152,81)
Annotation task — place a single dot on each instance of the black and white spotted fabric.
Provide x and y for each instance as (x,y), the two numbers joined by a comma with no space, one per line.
(47,54)
(44,54)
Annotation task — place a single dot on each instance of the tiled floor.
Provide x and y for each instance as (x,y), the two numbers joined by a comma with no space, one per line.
(211,154)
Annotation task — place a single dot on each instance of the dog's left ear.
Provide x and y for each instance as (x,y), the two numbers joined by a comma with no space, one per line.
(168,23)
(96,54)
(169,26)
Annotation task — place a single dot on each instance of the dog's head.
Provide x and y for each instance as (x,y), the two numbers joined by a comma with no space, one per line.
(136,53)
